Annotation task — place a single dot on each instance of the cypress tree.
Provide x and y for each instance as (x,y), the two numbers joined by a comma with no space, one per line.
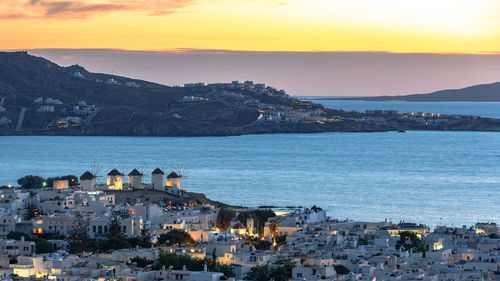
(115,230)
(79,240)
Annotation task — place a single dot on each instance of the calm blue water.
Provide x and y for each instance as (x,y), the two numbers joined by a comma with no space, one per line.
(484,109)
(431,177)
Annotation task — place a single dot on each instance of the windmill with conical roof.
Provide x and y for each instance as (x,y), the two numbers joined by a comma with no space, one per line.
(135,179)
(173,184)
(87,181)
(115,179)
(158,179)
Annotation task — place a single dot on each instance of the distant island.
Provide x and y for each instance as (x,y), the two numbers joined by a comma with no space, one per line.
(39,97)
(476,93)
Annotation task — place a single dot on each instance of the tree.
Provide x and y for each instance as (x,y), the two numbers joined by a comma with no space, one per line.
(145,238)
(79,240)
(15,235)
(31,181)
(115,230)
(43,246)
(179,261)
(113,244)
(273,228)
(31,210)
(262,245)
(264,273)
(224,218)
(259,273)
(176,237)
(410,241)
(340,269)
(282,273)
(260,218)
(140,262)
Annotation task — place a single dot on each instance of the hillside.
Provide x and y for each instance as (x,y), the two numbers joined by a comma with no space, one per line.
(112,105)
(477,93)
(38,96)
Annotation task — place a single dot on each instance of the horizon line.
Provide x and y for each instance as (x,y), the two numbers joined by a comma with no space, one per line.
(237,51)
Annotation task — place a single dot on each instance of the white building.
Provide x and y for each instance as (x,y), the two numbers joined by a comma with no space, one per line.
(17,247)
(98,226)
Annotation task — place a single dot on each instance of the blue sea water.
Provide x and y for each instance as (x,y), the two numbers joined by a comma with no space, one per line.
(436,178)
(483,109)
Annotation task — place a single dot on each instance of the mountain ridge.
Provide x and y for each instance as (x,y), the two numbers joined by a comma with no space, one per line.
(476,93)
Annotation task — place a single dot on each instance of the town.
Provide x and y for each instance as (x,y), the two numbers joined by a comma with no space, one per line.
(77,228)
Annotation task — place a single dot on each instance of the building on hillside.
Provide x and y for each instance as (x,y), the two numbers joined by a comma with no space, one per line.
(61,184)
(30,266)
(131,226)
(16,248)
(135,179)
(418,229)
(57,224)
(115,179)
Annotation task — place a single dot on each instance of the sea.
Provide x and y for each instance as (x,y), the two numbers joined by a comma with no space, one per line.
(431,177)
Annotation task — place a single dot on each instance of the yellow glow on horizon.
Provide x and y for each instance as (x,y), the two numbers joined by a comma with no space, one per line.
(433,26)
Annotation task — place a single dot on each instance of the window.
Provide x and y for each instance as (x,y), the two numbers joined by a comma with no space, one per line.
(299,275)
(99,229)
(93,228)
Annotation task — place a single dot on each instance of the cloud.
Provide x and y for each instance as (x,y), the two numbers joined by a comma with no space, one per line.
(12,16)
(62,9)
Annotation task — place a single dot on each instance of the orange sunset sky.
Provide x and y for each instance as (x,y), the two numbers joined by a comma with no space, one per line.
(392,26)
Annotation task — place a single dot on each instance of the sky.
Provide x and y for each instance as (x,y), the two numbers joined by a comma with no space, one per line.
(308,47)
